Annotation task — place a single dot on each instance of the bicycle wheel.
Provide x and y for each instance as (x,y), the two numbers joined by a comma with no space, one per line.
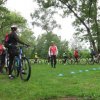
(15,68)
(70,61)
(90,61)
(82,61)
(25,70)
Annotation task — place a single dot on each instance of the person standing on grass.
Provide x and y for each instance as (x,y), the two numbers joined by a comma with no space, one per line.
(53,52)
(11,45)
(76,55)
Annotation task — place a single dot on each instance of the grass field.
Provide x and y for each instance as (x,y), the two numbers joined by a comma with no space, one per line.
(66,82)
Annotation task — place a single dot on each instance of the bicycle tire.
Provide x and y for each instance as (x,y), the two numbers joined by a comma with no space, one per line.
(25,66)
(83,61)
(90,61)
(15,68)
(70,61)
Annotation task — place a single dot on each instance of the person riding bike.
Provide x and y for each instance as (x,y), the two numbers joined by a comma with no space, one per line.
(92,53)
(64,57)
(2,56)
(12,47)
(76,54)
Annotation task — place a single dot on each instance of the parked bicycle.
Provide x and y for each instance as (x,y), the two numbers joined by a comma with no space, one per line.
(95,59)
(21,65)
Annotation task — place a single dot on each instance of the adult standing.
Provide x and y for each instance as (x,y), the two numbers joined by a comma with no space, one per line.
(12,47)
(53,52)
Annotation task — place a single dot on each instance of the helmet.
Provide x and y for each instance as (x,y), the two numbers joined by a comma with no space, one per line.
(13,27)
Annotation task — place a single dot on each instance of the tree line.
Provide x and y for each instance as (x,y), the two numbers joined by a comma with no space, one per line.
(47,23)
(85,12)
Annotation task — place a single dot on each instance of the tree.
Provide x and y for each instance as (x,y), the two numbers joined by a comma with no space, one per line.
(3,12)
(43,18)
(9,19)
(85,12)
(27,36)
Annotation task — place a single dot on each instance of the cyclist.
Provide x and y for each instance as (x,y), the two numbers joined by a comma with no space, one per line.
(2,57)
(53,52)
(76,55)
(12,47)
(64,57)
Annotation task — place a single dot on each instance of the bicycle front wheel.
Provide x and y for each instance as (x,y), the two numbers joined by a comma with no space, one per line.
(25,71)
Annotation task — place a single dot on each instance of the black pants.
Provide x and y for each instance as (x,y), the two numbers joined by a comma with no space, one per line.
(64,59)
(76,58)
(53,61)
(2,61)
(13,51)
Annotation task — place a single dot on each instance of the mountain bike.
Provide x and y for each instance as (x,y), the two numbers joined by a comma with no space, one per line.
(67,61)
(21,65)
(94,59)
(80,60)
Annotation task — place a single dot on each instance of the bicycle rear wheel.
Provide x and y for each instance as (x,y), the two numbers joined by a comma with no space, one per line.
(15,68)
(25,71)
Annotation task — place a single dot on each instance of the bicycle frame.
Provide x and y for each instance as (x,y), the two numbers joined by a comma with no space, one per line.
(19,57)
(21,65)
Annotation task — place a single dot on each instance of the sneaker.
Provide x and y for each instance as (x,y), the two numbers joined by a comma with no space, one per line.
(23,72)
(11,77)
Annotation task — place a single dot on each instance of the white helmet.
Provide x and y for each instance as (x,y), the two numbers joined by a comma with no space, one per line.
(14,27)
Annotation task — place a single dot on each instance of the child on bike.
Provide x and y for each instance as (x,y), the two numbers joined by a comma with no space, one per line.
(64,57)
(2,57)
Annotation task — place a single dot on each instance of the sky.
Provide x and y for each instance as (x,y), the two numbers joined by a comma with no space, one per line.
(25,7)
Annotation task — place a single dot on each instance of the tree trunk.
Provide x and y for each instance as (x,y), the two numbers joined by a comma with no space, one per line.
(97,27)
(87,28)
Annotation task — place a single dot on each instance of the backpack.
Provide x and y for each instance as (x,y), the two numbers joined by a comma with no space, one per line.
(6,40)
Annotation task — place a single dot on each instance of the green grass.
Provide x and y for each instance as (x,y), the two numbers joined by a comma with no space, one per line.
(46,84)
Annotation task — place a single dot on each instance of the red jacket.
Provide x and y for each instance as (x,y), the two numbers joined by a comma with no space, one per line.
(76,53)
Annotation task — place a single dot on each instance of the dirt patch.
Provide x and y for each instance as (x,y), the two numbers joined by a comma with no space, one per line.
(68,98)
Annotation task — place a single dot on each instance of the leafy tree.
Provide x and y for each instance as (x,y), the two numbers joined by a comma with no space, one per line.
(9,19)
(27,36)
(43,18)
(85,11)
